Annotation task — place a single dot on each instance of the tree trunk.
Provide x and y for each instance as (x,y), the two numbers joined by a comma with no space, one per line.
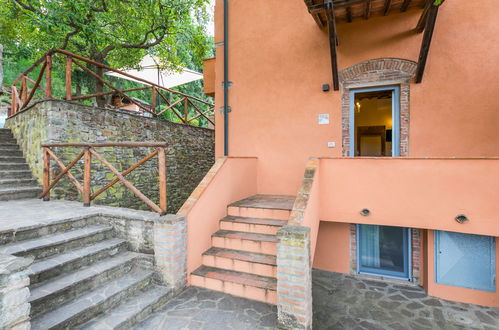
(99,87)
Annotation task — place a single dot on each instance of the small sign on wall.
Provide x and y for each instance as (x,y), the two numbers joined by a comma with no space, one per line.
(323,119)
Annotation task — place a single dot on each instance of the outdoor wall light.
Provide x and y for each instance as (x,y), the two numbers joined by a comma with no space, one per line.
(461,218)
(365,212)
(325,88)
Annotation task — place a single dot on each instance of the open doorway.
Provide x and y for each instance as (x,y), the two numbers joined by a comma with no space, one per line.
(374,122)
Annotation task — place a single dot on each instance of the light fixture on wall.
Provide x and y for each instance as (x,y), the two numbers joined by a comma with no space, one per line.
(357,106)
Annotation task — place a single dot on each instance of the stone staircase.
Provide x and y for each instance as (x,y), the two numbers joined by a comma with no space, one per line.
(84,277)
(16,180)
(242,260)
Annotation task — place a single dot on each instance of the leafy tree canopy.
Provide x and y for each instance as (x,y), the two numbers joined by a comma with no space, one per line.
(118,32)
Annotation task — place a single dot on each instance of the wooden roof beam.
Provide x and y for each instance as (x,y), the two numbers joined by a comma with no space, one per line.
(367,11)
(388,6)
(423,18)
(428,34)
(405,5)
(331,29)
(349,14)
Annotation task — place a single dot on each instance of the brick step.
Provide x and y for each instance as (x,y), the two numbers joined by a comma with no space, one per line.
(243,241)
(51,267)
(131,311)
(17,183)
(263,206)
(92,303)
(11,152)
(247,262)
(240,284)
(12,159)
(14,167)
(19,234)
(252,225)
(49,245)
(17,174)
(7,194)
(57,291)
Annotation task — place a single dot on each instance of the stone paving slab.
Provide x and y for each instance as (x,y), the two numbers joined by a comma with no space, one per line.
(198,308)
(341,302)
(29,213)
(351,302)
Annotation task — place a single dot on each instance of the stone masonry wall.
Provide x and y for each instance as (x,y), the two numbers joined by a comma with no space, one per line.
(14,292)
(190,151)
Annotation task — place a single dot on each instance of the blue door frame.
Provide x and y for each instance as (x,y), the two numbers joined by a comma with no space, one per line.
(395,117)
(407,248)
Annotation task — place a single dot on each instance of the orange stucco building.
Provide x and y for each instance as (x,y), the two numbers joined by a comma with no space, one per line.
(403,156)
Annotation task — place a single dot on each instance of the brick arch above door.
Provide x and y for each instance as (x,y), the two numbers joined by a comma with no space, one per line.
(373,73)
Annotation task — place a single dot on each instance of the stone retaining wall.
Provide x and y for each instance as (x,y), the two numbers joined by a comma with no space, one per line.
(14,292)
(190,153)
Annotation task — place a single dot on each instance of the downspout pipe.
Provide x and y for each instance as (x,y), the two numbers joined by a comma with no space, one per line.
(226,78)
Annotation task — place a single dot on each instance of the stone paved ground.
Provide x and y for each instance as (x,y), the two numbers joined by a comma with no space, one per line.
(350,302)
(340,302)
(198,308)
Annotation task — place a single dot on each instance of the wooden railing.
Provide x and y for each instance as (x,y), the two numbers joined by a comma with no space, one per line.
(176,102)
(87,153)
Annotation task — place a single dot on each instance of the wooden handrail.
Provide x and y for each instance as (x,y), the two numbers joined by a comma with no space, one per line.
(88,153)
(24,95)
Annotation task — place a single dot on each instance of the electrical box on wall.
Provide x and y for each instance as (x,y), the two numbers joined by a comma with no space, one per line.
(323,119)
(331,144)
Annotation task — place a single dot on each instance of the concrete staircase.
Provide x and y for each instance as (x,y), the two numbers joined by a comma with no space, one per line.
(16,180)
(242,260)
(84,277)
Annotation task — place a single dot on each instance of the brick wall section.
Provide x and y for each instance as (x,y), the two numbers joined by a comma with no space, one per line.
(415,253)
(372,73)
(294,278)
(189,156)
(170,250)
(14,292)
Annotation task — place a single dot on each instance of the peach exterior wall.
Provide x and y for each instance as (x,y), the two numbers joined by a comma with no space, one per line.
(279,60)
(234,180)
(417,193)
(333,247)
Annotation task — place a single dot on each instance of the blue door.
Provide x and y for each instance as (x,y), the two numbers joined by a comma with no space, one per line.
(383,250)
(465,260)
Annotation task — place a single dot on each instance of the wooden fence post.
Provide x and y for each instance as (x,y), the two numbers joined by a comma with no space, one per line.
(46,174)
(153,100)
(186,110)
(48,77)
(163,205)
(69,69)
(86,177)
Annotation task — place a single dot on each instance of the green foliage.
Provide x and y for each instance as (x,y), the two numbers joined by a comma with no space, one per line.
(115,32)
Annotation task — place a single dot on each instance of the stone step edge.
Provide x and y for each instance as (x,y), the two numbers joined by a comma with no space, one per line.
(230,234)
(254,221)
(61,283)
(43,265)
(128,313)
(52,240)
(109,294)
(20,189)
(247,279)
(253,257)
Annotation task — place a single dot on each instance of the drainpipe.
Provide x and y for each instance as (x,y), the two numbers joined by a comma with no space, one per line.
(226,77)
